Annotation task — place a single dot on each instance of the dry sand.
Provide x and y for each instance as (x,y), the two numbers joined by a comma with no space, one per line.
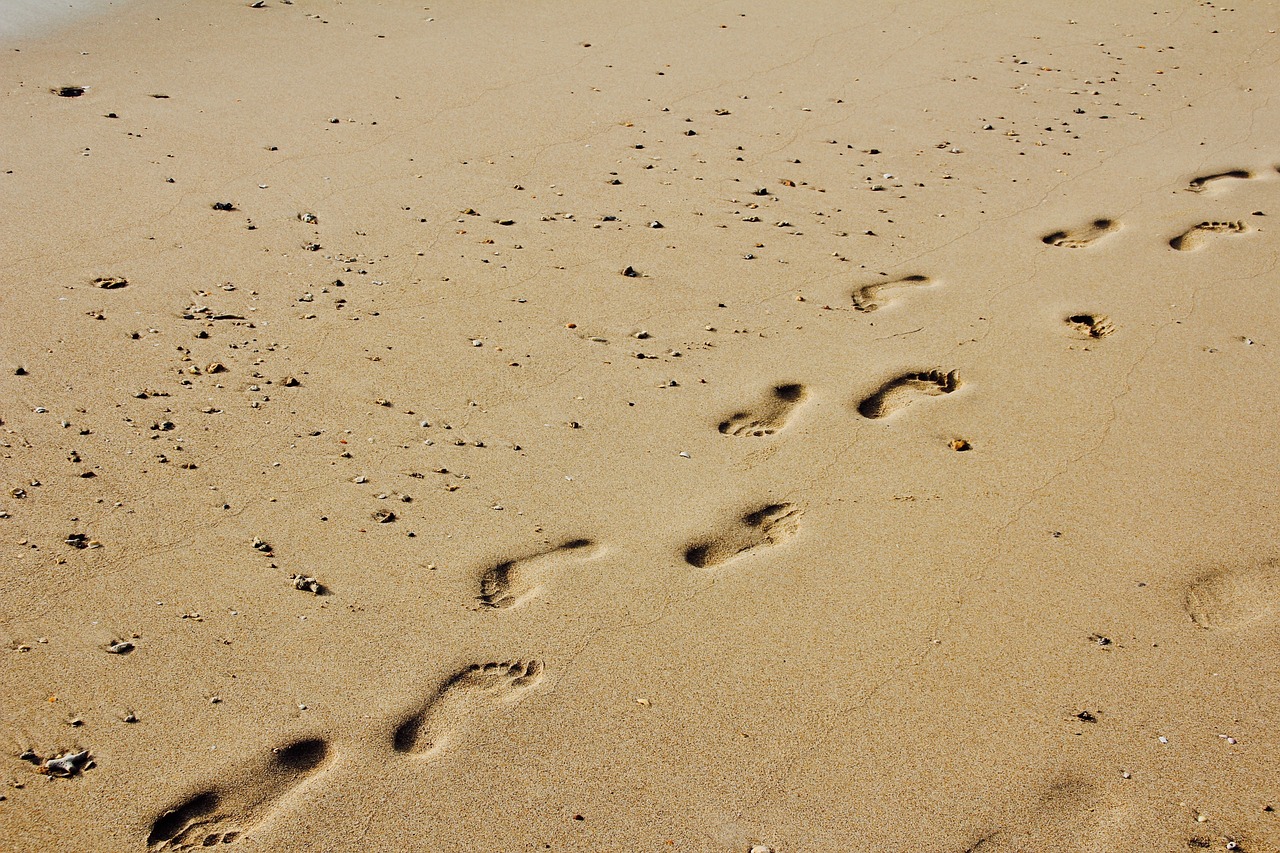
(914,490)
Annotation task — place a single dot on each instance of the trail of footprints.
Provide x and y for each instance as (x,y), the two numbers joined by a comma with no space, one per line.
(247,800)
(1189,240)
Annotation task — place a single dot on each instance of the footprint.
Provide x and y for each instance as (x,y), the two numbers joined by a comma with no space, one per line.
(1200,184)
(769,525)
(429,729)
(516,581)
(866,299)
(1234,597)
(1068,813)
(1090,325)
(898,393)
(1078,238)
(1194,237)
(769,416)
(229,812)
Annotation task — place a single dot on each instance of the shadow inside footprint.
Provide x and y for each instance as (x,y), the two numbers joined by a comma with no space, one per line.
(768,416)
(867,298)
(897,393)
(1233,597)
(465,693)
(769,525)
(1090,325)
(226,813)
(515,581)
(1079,238)
(1202,183)
(1195,236)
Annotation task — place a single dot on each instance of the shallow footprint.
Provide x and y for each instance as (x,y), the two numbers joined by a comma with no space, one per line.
(467,691)
(516,581)
(1234,597)
(768,416)
(900,392)
(230,811)
(1078,238)
(1202,183)
(867,298)
(1194,237)
(769,525)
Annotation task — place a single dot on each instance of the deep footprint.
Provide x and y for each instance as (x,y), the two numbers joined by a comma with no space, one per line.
(1234,597)
(769,525)
(229,812)
(1200,184)
(462,696)
(898,393)
(768,416)
(867,299)
(516,581)
(1194,237)
(1079,238)
(1090,325)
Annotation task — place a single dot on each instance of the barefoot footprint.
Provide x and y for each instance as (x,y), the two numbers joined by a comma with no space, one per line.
(1090,325)
(1202,183)
(467,692)
(768,416)
(1079,238)
(867,298)
(1234,597)
(516,581)
(228,812)
(1194,237)
(769,525)
(899,392)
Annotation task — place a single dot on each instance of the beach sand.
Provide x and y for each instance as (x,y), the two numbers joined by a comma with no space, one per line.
(582,426)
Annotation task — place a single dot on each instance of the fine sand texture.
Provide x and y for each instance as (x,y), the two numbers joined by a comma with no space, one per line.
(833,426)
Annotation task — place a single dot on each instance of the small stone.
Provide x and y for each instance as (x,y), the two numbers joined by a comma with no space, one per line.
(306,583)
(120,647)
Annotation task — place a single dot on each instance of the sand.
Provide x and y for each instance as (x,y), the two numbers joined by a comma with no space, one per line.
(579,426)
